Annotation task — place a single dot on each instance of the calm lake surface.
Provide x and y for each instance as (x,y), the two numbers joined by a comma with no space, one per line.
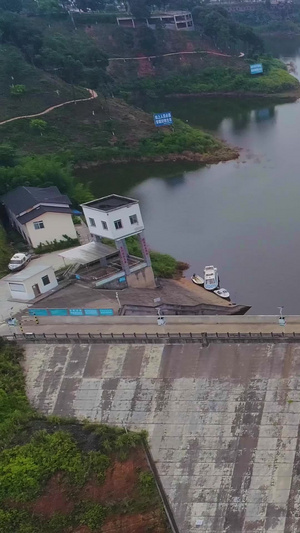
(241,216)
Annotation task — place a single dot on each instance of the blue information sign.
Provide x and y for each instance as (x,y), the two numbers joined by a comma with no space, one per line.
(58,312)
(256,69)
(163,119)
(121,280)
(91,312)
(106,312)
(38,312)
(76,312)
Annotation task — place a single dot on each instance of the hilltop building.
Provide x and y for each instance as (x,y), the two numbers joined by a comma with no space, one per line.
(173,20)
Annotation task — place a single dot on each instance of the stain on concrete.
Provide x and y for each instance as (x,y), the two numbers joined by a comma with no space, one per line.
(223,422)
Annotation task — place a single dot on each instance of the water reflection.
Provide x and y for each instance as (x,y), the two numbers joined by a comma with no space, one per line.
(241,121)
(268,113)
(175,181)
(242,215)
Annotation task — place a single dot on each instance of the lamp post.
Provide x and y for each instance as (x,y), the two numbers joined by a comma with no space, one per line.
(281,319)
(118,300)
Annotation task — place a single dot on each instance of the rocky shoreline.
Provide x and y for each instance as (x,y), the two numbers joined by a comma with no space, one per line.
(289,95)
(222,155)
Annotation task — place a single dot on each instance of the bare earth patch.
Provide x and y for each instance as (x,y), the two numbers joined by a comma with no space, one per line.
(135,524)
(120,482)
(53,500)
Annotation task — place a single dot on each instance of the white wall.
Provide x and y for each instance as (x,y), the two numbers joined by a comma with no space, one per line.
(27,293)
(122,213)
(56,225)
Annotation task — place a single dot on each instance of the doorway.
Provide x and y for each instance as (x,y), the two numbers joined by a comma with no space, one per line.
(36,290)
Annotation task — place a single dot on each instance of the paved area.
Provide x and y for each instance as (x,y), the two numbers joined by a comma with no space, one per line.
(223,422)
(83,233)
(182,292)
(174,324)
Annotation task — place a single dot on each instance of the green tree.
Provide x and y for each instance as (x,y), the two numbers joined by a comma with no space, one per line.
(38,125)
(139,8)
(146,39)
(11,5)
(13,65)
(8,156)
(43,171)
(48,6)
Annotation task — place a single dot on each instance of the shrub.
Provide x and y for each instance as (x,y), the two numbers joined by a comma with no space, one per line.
(17,90)
(147,484)
(76,220)
(66,242)
(98,464)
(93,516)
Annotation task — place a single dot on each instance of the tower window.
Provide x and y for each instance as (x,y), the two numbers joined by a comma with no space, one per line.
(118,224)
(133,219)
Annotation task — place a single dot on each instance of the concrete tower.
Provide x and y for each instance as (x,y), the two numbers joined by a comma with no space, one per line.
(118,217)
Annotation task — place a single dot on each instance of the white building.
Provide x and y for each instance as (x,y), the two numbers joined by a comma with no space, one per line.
(40,214)
(118,217)
(115,217)
(31,282)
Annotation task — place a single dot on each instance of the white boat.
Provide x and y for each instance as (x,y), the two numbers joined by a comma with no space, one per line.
(18,261)
(223,293)
(197,279)
(211,278)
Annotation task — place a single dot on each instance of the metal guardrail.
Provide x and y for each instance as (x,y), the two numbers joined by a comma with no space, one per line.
(161,490)
(153,338)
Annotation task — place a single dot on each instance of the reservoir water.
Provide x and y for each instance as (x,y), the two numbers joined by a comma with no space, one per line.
(242,216)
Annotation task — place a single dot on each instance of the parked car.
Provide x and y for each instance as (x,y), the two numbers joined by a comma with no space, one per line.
(18,261)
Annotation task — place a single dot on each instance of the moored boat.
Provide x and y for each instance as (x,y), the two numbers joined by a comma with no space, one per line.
(197,279)
(211,278)
(223,293)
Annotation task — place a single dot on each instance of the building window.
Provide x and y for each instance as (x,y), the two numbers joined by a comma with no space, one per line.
(133,219)
(45,280)
(104,224)
(17,287)
(92,222)
(38,225)
(118,224)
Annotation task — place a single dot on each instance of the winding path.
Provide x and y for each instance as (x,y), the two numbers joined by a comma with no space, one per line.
(94,94)
(92,97)
(170,54)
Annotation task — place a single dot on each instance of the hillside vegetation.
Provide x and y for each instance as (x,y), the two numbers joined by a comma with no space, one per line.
(44,61)
(58,475)
(275,80)
(108,129)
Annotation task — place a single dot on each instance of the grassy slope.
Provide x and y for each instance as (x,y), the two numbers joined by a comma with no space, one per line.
(115,131)
(60,475)
(40,93)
